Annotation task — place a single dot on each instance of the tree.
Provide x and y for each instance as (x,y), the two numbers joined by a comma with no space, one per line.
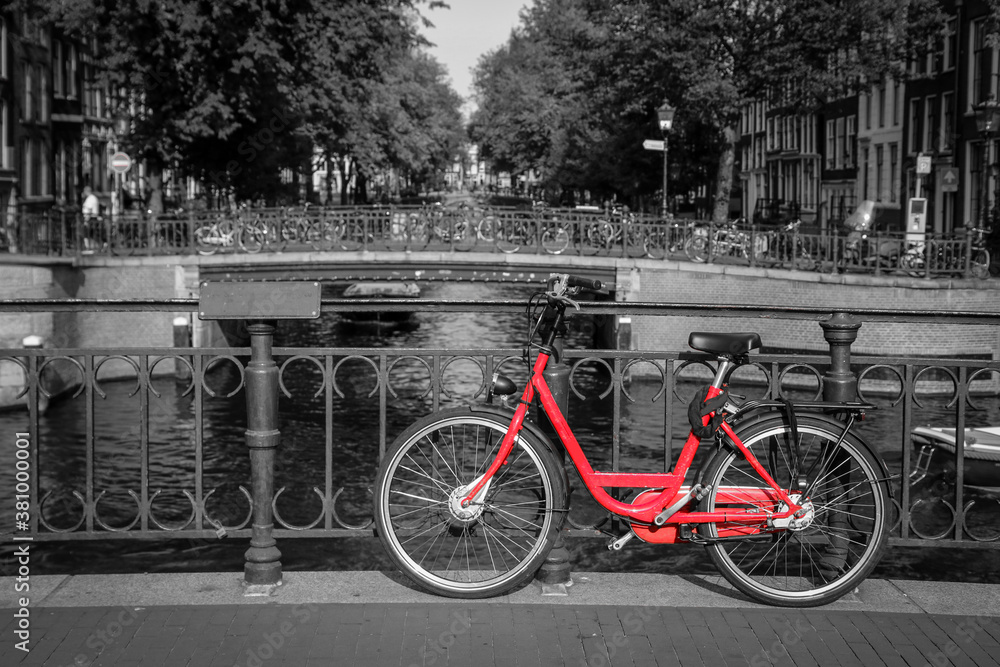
(719,55)
(619,61)
(237,90)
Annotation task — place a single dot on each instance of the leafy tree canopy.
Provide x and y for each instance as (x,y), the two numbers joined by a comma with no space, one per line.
(608,65)
(235,91)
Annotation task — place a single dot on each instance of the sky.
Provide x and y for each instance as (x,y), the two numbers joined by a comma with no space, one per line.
(467,30)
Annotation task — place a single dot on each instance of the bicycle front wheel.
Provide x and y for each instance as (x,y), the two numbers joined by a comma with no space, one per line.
(827,552)
(500,540)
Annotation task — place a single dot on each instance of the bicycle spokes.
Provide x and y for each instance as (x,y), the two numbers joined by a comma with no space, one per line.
(455,547)
(829,544)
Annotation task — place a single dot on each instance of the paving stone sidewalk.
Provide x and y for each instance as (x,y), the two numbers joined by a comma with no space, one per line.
(404,634)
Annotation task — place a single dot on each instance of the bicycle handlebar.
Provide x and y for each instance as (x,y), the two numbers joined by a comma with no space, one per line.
(586,283)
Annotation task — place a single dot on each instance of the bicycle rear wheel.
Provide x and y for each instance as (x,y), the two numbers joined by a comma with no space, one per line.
(494,545)
(842,535)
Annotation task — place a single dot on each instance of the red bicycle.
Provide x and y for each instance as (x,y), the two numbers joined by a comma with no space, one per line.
(793,506)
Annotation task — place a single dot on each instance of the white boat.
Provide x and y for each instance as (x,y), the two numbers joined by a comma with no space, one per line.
(936,453)
(380,290)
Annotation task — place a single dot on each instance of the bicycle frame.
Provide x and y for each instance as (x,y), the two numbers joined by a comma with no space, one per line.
(643,512)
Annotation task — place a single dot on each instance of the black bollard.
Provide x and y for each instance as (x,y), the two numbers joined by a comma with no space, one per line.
(839,383)
(554,574)
(263,566)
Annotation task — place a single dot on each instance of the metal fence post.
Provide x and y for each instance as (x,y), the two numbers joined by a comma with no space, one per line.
(839,383)
(556,568)
(263,564)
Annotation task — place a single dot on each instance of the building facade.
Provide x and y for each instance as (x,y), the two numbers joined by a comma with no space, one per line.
(866,146)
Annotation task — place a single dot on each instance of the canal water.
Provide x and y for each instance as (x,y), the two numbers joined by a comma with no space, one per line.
(301,463)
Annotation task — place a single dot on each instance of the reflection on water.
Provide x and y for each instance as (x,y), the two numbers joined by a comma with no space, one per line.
(355,435)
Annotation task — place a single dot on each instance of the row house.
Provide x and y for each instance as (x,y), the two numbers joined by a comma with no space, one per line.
(56,134)
(866,146)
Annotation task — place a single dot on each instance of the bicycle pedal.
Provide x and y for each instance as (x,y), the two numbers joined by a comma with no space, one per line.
(621,542)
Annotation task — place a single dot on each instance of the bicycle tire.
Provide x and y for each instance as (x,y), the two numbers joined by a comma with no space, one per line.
(322,235)
(655,244)
(202,244)
(503,541)
(351,235)
(979,265)
(509,236)
(487,229)
(696,248)
(252,237)
(805,261)
(555,240)
(464,236)
(794,568)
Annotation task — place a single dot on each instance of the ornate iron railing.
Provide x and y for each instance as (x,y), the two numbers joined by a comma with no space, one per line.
(175,464)
(544,231)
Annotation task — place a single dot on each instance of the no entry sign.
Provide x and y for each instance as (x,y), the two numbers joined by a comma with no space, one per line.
(121,162)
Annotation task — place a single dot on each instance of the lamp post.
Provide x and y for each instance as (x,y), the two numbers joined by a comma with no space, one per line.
(987,122)
(666,116)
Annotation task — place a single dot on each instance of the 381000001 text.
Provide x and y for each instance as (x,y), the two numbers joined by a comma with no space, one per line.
(22,554)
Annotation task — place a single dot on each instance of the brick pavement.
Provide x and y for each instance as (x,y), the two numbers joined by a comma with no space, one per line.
(452,633)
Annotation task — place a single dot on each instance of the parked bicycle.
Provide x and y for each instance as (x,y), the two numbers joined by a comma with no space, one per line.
(949,256)
(793,507)
(787,247)
(731,239)
(214,234)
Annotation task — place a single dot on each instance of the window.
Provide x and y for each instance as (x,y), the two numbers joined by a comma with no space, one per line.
(982,64)
(893,173)
(43,96)
(4,153)
(42,162)
(867,176)
(27,185)
(881,105)
(28,92)
(897,104)
(839,144)
(850,137)
(948,45)
(976,170)
(946,141)
(3,48)
(58,76)
(868,111)
(915,126)
(71,72)
(831,144)
(930,124)
(879,194)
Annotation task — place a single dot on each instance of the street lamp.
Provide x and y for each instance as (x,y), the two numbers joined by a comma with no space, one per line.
(666,116)
(987,122)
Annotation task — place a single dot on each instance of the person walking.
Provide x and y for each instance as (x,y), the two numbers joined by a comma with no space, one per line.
(91,220)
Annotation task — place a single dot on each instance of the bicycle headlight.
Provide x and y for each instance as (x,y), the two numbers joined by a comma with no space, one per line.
(500,385)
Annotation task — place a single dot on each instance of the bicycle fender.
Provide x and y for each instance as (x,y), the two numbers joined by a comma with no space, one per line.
(830,421)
